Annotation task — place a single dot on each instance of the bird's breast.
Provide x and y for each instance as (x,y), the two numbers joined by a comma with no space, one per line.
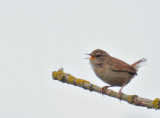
(106,74)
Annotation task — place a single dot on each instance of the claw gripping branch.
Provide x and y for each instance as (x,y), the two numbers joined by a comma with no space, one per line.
(132,99)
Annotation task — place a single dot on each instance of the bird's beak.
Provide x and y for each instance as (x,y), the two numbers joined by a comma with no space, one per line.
(89,57)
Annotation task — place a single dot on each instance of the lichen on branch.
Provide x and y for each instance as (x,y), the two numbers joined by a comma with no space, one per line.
(132,99)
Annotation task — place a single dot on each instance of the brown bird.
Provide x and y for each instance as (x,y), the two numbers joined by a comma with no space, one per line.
(112,70)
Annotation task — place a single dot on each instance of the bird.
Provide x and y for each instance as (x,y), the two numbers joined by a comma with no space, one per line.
(113,71)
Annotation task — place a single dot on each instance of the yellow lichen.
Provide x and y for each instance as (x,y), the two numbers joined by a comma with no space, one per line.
(86,82)
(156,103)
(79,81)
(71,79)
(60,74)
(130,98)
(54,74)
(113,92)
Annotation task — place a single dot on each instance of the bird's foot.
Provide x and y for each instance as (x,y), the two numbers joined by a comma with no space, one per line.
(119,96)
(103,89)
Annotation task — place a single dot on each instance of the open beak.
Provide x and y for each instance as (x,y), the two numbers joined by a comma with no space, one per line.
(89,57)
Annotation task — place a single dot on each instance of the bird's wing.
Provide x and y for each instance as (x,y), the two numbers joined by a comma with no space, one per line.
(118,65)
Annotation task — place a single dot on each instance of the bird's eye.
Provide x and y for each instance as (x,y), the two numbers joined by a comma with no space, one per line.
(98,55)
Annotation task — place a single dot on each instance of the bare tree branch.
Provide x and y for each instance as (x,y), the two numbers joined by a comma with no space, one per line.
(132,99)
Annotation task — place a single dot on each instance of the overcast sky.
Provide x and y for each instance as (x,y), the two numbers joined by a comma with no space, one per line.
(41,36)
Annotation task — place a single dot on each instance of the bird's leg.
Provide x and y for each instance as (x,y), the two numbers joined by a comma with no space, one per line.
(120,91)
(103,89)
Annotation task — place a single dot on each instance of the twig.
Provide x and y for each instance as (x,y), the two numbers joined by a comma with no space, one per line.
(132,99)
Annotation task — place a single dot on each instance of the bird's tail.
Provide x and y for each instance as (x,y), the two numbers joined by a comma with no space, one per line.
(139,63)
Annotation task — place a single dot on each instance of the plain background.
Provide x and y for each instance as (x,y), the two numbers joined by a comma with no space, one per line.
(41,36)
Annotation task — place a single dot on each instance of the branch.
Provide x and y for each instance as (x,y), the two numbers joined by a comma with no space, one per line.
(132,99)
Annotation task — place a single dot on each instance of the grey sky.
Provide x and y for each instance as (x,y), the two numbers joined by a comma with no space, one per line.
(40,36)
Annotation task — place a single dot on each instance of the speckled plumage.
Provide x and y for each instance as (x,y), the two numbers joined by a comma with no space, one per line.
(112,70)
